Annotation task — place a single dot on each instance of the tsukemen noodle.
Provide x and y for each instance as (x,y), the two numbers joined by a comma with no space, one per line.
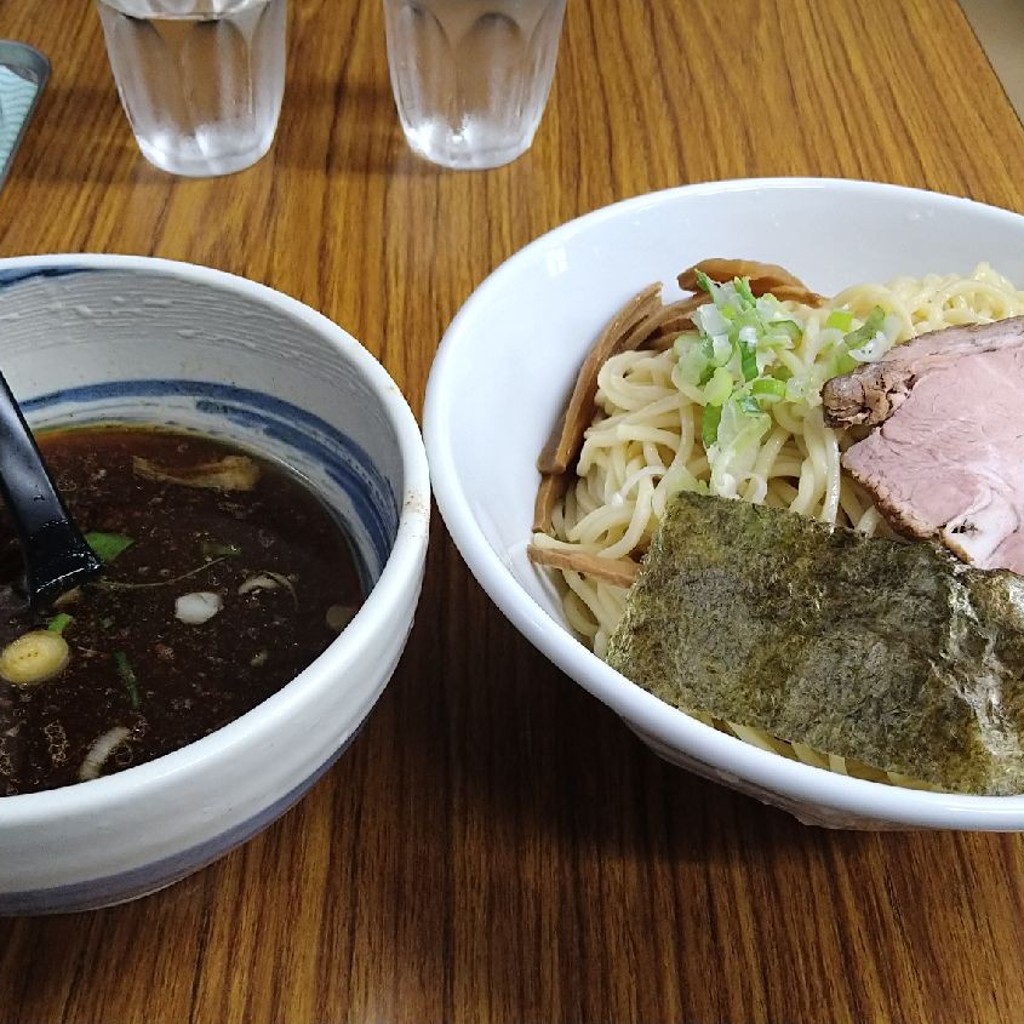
(761,394)
(224,577)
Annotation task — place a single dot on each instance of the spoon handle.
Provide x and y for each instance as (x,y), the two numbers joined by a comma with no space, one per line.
(56,555)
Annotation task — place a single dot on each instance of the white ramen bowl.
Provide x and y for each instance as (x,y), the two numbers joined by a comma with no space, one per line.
(91,338)
(507,363)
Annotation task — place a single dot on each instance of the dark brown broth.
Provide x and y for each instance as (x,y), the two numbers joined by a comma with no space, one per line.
(188,679)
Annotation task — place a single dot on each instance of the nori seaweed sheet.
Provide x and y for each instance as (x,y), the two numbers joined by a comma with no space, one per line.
(895,654)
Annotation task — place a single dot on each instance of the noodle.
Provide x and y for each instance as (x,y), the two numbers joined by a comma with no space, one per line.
(644,443)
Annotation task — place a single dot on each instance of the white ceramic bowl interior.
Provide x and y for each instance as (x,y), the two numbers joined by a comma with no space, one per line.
(507,363)
(99,338)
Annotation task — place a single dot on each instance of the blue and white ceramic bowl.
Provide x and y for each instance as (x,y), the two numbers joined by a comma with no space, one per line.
(94,338)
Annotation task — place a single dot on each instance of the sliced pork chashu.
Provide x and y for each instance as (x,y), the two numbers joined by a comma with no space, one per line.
(946,460)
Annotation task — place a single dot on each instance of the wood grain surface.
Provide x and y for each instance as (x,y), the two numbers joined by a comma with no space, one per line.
(497,846)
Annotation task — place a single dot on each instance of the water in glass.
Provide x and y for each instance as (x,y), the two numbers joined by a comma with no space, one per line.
(201,81)
(471,77)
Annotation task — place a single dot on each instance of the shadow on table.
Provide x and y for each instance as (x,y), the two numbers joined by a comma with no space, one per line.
(81,134)
(545,854)
(532,752)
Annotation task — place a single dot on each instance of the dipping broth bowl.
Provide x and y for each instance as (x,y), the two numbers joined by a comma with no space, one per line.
(89,338)
(509,359)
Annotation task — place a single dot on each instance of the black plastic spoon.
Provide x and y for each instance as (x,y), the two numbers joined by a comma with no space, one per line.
(57,557)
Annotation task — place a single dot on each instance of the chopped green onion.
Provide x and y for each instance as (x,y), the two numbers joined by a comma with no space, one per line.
(60,622)
(107,546)
(211,549)
(741,337)
(742,285)
(748,405)
(705,282)
(709,424)
(790,328)
(840,319)
(127,676)
(768,387)
(748,359)
(692,365)
(863,334)
(719,388)
(737,440)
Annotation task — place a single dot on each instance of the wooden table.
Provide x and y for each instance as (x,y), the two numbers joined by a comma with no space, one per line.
(496,846)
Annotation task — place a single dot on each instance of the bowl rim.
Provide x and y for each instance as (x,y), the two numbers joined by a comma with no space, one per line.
(401,570)
(730,759)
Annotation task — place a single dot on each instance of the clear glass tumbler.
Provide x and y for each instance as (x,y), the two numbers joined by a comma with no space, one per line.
(201,81)
(471,77)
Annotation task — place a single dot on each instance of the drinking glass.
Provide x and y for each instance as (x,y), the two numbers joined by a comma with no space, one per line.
(471,77)
(201,81)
